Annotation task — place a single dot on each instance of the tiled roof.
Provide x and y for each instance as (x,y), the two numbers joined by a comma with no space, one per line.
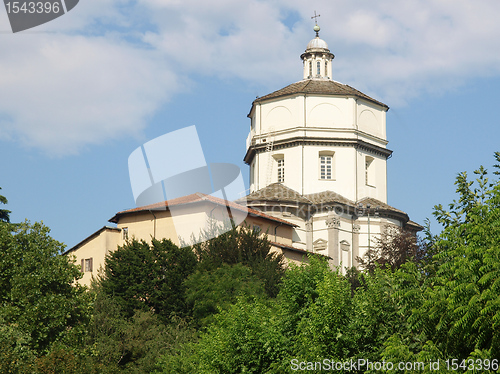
(374,203)
(281,193)
(319,87)
(293,249)
(414,225)
(328,197)
(276,192)
(198,198)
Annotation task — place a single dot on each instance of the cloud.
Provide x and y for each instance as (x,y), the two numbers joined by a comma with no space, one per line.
(402,50)
(99,72)
(394,50)
(60,93)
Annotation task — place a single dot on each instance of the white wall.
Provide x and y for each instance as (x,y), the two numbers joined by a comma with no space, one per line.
(320,117)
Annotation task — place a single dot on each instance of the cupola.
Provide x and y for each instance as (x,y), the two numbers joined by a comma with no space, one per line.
(317,58)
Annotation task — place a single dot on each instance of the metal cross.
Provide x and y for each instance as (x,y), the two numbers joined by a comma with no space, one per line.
(316,17)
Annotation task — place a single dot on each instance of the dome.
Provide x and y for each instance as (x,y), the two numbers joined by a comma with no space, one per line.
(317,43)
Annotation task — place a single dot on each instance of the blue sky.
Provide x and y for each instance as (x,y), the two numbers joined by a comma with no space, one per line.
(79,94)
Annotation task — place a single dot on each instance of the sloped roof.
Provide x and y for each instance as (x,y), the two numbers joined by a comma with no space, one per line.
(298,250)
(277,192)
(198,198)
(328,197)
(319,87)
(377,203)
(414,226)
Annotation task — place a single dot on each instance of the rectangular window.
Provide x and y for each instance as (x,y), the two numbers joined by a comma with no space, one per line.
(125,233)
(318,68)
(325,165)
(281,170)
(88,265)
(369,171)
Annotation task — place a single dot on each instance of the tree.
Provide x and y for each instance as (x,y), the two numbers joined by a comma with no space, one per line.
(149,277)
(210,291)
(242,339)
(117,344)
(4,213)
(37,290)
(16,356)
(457,313)
(393,248)
(246,246)
(468,277)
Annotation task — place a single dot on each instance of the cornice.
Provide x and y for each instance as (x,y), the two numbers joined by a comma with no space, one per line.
(317,141)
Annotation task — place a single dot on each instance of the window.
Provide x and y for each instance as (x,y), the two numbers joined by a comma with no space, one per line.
(326,170)
(256,229)
(87,265)
(318,68)
(369,171)
(125,233)
(326,68)
(281,170)
(310,68)
(279,159)
(326,167)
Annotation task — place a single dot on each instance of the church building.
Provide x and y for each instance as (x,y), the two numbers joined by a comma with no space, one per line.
(317,151)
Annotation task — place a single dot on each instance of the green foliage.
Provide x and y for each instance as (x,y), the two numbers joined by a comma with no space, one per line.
(209,291)
(4,213)
(463,302)
(16,356)
(242,340)
(149,278)
(299,290)
(117,344)
(62,360)
(393,248)
(324,332)
(444,305)
(37,291)
(456,309)
(245,246)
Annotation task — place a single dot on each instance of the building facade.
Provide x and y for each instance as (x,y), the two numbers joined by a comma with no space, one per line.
(157,222)
(317,151)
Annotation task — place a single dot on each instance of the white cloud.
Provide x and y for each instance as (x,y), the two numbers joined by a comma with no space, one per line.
(101,70)
(60,93)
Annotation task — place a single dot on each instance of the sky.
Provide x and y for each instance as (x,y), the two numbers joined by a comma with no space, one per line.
(80,93)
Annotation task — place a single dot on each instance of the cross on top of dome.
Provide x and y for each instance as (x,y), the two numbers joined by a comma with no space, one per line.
(317,57)
(316,27)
